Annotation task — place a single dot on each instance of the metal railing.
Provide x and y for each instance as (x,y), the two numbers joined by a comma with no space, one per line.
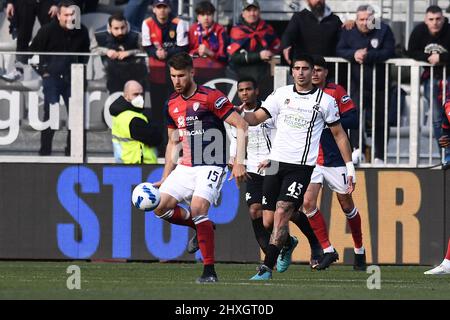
(408,143)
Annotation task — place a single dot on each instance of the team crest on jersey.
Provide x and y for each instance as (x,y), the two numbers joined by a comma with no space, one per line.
(196,106)
(345,99)
(181,122)
(220,102)
(172,34)
(286,102)
(316,107)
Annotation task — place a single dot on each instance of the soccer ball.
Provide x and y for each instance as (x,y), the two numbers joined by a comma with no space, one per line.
(145,196)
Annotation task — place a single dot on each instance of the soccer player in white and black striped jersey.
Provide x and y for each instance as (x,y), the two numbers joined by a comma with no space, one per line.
(301,111)
(260,139)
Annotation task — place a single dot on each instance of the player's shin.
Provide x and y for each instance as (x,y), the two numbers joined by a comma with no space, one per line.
(205,234)
(179,216)
(320,229)
(301,221)
(261,234)
(354,221)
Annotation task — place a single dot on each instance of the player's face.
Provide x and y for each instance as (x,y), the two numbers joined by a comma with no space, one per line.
(247,93)
(161,12)
(302,73)
(206,20)
(319,76)
(118,29)
(181,79)
(434,22)
(251,15)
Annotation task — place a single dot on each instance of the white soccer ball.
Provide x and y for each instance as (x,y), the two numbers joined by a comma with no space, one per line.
(145,196)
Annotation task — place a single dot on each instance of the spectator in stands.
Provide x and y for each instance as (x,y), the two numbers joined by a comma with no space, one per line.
(87,6)
(252,46)
(430,42)
(61,35)
(136,11)
(315,30)
(163,35)
(119,44)
(24,13)
(207,44)
(133,135)
(369,43)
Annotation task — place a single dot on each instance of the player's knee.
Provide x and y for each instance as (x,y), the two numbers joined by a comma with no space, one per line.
(161,211)
(255,211)
(268,224)
(309,205)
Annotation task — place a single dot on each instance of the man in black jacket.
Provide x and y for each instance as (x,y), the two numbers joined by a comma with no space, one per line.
(314,30)
(119,44)
(430,42)
(24,13)
(61,35)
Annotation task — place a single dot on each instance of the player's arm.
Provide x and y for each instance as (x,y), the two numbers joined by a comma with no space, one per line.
(235,120)
(257,117)
(344,147)
(171,155)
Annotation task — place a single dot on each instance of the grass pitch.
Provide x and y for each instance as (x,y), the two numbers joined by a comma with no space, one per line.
(48,280)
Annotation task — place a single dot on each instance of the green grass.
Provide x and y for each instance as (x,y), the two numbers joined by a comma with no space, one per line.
(47,280)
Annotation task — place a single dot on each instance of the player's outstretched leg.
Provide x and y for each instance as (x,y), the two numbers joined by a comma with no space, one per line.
(301,221)
(285,257)
(444,267)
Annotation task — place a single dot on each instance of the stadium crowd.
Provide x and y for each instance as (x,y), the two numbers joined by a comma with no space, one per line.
(250,48)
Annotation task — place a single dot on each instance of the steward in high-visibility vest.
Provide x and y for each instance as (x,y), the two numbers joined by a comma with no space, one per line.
(134,137)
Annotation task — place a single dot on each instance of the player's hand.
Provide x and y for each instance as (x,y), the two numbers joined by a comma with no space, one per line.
(10,10)
(231,163)
(266,55)
(239,109)
(263,165)
(239,173)
(158,183)
(350,185)
(444,141)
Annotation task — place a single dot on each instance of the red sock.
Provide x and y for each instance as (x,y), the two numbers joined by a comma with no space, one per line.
(205,235)
(319,226)
(178,218)
(447,256)
(355,227)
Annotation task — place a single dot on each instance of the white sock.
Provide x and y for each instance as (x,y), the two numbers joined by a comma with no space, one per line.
(359,250)
(329,249)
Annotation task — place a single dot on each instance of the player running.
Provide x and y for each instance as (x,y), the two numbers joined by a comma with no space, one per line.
(260,139)
(332,168)
(195,116)
(301,112)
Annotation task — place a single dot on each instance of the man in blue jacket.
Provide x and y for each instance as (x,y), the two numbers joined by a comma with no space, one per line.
(371,42)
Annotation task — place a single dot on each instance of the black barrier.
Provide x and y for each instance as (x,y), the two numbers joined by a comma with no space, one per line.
(56,211)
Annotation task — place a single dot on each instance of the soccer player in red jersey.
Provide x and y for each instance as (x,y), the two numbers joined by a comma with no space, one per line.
(332,168)
(195,121)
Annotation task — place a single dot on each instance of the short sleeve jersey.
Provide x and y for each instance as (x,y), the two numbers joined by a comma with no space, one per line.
(199,120)
(300,119)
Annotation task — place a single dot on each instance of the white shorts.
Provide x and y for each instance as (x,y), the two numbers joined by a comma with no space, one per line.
(203,181)
(336,177)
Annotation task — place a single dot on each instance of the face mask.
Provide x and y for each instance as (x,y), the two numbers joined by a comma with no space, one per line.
(138,102)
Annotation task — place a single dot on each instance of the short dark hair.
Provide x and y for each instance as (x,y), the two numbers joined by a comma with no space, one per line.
(303,57)
(433,9)
(118,16)
(181,61)
(248,79)
(205,7)
(320,61)
(66,4)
